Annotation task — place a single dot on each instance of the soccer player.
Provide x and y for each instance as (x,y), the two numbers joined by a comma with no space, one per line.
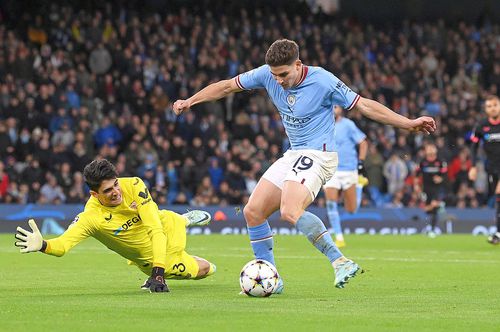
(122,215)
(488,130)
(346,178)
(433,172)
(304,97)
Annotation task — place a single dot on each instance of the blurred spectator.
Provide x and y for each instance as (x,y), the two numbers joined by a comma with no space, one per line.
(4,181)
(51,192)
(395,172)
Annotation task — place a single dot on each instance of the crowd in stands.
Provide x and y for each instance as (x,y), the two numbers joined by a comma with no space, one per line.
(80,84)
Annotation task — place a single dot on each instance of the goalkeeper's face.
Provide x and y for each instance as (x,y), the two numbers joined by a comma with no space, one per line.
(109,193)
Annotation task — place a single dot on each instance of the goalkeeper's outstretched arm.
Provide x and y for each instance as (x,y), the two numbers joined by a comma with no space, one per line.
(33,241)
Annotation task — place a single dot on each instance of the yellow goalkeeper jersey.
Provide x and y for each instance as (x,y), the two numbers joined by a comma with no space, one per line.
(134,229)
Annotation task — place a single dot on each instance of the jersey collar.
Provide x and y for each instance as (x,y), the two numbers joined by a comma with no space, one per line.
(303,75)
(493,122)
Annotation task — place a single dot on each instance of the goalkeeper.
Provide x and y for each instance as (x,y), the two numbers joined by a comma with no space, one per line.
(122,215)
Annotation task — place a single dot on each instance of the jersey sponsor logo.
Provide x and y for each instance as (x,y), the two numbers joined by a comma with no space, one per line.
(291,99)
(126,225)
(430,169)
(293,121)
(144,194)
(492,137)
(108,218)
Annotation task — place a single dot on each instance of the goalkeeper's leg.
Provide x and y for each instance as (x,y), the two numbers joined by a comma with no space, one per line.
(205,268)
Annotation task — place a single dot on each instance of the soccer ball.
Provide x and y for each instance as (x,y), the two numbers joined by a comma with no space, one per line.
(258,278)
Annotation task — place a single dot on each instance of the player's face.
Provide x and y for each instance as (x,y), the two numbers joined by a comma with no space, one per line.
(287,75)
(492,108)
(109,193)
(430,152)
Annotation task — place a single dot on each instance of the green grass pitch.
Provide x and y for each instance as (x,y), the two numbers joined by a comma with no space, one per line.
(411,283)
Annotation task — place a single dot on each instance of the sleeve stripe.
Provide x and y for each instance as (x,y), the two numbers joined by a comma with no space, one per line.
(238,83)
(354,102)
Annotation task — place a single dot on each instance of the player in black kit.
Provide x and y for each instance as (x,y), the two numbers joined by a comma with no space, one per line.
(488,131)
(433,173)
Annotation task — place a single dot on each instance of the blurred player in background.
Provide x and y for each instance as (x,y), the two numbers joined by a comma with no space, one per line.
(349,177)
(304,96)
(122,215)
(488,131)
(432,173)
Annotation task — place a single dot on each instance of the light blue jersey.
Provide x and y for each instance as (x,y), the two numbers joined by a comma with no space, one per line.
(347,136)
(305,109)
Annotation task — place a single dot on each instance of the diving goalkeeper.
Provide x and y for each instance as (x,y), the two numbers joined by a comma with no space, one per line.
(122,215)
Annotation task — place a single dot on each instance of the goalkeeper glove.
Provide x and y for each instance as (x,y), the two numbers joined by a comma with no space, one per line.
(361,167)
(30,241)
(156,283)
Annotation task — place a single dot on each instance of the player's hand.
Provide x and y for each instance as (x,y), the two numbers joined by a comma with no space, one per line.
(423,124)
(180,106)
(29,241)
(361,168)
(473,173)
(437,179)
(156,282)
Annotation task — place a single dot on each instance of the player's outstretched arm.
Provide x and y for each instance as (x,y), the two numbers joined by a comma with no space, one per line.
(378,112)
(29,241)
(211,92)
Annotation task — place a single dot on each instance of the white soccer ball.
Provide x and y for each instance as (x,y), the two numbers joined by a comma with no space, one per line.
(258,278)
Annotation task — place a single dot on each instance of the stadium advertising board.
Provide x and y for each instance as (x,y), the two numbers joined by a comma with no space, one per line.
(54,219)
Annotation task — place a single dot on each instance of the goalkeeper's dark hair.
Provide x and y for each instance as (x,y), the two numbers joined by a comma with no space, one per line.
(282,52)
(97,171)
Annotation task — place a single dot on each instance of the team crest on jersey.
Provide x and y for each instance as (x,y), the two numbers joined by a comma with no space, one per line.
(291,99)
(133,206)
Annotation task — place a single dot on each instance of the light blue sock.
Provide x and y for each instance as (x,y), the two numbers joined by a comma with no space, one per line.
(359,196)
(261,239)
(316,233)
(334,217)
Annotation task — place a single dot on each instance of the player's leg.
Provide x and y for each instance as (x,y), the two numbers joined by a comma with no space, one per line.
(350,199)
(432,217)
(362,182)
(205,268)
(295,199)
(494,183)
(431,208)
(332,196)
(264,200)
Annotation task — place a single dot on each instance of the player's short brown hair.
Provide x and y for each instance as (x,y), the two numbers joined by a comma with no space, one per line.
(97,171)
(282,52)
(491,97)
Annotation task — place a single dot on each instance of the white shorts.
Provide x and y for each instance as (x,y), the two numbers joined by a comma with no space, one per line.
(342,180)
(312,168)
